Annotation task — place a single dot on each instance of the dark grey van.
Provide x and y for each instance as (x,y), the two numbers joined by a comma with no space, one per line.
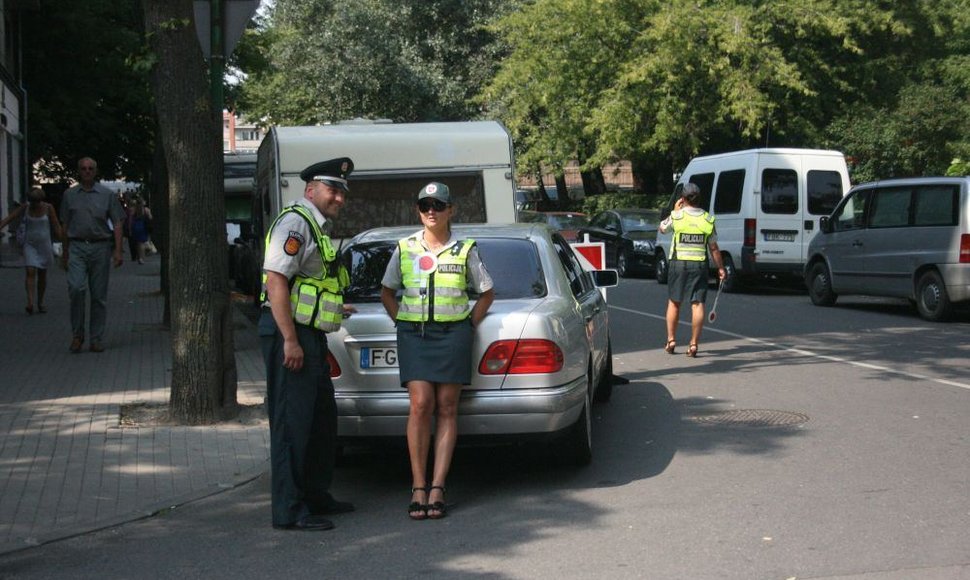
(907,238)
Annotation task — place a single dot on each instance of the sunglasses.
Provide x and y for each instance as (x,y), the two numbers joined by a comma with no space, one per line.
(426,205)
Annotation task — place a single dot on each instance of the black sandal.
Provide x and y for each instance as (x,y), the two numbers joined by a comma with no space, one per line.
(418,510)
(692,350)
(670,346)
(438,506)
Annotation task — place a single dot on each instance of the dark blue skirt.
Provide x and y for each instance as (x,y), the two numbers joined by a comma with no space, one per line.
(687,281)
(441,353)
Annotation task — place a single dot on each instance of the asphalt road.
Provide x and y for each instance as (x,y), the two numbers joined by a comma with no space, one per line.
(802,443)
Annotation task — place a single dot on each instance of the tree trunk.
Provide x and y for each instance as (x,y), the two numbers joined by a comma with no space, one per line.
(203,357)
(160,214)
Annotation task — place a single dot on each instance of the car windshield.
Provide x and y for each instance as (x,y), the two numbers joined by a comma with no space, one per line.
(513,265)
(640,222)
(568,221)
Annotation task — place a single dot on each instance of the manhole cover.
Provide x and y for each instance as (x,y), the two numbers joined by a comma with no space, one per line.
(752,418)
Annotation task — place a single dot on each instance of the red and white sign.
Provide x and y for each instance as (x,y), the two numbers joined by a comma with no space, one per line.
(591,254)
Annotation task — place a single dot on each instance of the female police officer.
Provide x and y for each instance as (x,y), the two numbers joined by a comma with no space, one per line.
(693,240)
(302,302)
(434,337)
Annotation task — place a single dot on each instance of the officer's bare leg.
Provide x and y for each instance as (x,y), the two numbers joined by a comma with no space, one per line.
(422,397)
(445,437)
(696,321)
(673,315)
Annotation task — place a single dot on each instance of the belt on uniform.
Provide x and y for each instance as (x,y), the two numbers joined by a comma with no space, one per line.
(90,240)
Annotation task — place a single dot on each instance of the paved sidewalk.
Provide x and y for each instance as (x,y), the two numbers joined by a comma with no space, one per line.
(66,464)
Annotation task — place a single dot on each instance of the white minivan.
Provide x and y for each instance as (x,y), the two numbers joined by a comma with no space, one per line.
(908,238)
(767,203)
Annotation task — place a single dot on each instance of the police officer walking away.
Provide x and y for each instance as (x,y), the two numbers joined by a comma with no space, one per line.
(302,301)
(694,239)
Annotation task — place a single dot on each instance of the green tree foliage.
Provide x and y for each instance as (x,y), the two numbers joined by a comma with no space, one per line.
(326,60)
(659,82)
(83,98)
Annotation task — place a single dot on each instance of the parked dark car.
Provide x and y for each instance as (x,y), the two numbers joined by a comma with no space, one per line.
(630,236)
(568,223)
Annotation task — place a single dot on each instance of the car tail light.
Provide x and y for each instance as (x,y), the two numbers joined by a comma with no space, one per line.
(519,357)
(334,367)
(965,249)
(750,226)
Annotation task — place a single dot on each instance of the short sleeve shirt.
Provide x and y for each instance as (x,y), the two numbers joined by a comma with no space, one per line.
(91,214)
(694,211)
(292,248)
(476,274)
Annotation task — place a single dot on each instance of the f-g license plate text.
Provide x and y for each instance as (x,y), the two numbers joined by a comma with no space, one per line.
(378,358)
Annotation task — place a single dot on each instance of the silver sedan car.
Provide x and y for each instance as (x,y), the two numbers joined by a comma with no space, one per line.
(541,356)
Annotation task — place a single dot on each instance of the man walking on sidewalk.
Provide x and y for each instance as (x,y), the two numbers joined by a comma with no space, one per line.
(93,218)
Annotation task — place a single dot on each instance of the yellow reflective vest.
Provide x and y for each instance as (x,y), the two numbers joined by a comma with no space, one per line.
(434,284)
(316,302)
(691,233)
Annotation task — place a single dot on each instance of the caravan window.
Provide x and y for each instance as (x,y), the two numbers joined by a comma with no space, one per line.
(824,191)
(779,191)
(730,185)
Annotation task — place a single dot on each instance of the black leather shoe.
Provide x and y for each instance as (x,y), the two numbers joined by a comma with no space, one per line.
(308,524)
(335,507)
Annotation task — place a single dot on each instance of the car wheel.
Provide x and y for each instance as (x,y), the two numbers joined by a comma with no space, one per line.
(604,390)
(622,265)
(819,283)
(577,446)
(660,268)
(932,301)
(732,280)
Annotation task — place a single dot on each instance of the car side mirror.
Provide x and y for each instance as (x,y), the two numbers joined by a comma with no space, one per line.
(605,278)
(825,225)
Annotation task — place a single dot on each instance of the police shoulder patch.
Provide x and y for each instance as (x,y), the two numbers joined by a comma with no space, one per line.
(294,241)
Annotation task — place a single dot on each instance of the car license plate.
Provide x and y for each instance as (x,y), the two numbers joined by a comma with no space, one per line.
(378,358)
(773,236)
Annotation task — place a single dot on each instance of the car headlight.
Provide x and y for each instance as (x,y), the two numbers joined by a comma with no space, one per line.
(642,246)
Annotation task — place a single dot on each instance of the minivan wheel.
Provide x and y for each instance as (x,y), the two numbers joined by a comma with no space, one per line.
(932,301)
(660,268)
(819,284)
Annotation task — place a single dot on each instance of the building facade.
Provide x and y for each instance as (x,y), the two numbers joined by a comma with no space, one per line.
(13,140)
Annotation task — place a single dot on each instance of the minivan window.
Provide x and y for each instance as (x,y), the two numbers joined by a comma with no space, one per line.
(779,191)
(727,199)
(890,208)
(937,205)
(704,181)
(852,215)
(824,191)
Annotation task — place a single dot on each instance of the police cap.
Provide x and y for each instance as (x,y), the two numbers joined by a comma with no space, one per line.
(333,172)
(435,190)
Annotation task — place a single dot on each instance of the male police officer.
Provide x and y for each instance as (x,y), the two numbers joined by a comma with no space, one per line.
(302,301)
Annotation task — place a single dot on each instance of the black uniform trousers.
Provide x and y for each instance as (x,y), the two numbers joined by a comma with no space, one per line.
(302,423)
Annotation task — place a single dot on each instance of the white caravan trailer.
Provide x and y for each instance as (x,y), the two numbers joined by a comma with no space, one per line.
(767,204)
(392,161)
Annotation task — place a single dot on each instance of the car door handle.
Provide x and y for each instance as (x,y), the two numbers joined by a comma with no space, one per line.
(857,243)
